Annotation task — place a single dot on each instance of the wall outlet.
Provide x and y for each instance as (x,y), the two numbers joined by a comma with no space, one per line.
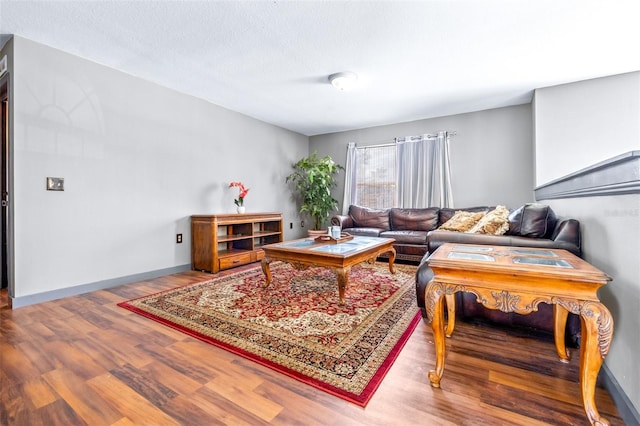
(178,238)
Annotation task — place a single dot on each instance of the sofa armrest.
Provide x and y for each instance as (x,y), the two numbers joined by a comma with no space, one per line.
(342,221)
(424,274)
(567,233)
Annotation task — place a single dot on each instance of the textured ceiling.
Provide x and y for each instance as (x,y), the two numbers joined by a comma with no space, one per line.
(270,59)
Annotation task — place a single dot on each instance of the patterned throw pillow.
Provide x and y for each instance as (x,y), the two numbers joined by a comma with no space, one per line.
(461,221)
(496,222)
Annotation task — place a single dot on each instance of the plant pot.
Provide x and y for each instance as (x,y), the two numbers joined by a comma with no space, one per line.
(240,209)
(316,233)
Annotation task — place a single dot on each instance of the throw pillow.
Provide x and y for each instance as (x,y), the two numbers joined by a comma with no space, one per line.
(532,220)
(461,221)
(496,222)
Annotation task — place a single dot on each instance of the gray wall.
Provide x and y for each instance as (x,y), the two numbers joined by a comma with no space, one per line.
(138,159)
(582,124)
(490,154)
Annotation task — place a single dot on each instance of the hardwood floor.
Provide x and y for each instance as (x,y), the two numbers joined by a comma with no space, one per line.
(83,360)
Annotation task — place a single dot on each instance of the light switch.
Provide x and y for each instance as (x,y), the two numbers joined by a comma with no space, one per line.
(55,184)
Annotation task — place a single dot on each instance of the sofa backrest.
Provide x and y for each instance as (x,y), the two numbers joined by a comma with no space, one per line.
(414,219)
(364,217)
(532,220)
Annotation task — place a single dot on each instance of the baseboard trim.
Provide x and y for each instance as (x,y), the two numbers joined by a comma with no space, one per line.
(615,176)
(32,299)
(626,409)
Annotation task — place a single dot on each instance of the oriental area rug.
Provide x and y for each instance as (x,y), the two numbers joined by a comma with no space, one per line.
(296,326)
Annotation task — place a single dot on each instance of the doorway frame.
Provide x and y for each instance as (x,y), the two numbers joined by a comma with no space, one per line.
(6,241)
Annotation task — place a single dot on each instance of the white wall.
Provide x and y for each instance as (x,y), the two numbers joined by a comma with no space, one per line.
(490,154)
(579,125)
(138,159)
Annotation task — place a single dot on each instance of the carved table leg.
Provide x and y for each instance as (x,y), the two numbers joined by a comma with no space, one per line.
(559,327)
(392,259)
(343,277)
(451,313)
(266,270)
(597,326)
(437,324)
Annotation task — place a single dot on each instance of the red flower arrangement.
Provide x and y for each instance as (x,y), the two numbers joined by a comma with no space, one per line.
(243,192)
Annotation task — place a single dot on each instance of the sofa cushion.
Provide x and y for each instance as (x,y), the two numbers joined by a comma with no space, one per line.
(414,219)
(461,221)
(406,237)
(364,217)
(364,232)
(496,222)
(437,238)
(532,220)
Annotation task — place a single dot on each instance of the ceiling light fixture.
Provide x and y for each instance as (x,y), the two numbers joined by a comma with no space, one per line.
(343,80)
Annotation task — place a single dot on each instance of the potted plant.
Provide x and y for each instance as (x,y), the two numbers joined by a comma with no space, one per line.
(314,177)
(242,192)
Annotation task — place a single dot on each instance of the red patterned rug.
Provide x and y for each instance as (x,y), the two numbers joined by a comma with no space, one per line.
(296,325)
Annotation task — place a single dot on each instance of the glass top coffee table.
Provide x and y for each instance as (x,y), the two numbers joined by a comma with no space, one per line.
(339,257)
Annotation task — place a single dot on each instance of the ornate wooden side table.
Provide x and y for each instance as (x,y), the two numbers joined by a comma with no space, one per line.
(518,279)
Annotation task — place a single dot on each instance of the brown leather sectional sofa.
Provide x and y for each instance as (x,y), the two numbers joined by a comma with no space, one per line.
(416,235)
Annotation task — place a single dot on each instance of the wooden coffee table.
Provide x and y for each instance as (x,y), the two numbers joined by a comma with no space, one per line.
(338,256)
(518,279)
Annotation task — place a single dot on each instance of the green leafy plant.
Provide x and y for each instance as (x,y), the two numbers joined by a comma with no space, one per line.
(314,177)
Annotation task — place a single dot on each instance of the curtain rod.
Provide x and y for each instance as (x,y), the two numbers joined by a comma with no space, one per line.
(395,140)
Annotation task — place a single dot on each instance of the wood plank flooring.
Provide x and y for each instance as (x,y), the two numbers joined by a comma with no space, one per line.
(83,360)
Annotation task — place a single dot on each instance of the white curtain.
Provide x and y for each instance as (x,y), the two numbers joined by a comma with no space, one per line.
(424,172)
(351,169)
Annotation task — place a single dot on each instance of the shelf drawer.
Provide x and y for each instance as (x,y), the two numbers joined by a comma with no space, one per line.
(233,261)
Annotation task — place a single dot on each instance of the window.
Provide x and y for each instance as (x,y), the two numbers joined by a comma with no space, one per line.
(412,172)
(376,176)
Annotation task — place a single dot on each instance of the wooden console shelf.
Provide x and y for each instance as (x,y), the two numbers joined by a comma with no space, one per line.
(225,241)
